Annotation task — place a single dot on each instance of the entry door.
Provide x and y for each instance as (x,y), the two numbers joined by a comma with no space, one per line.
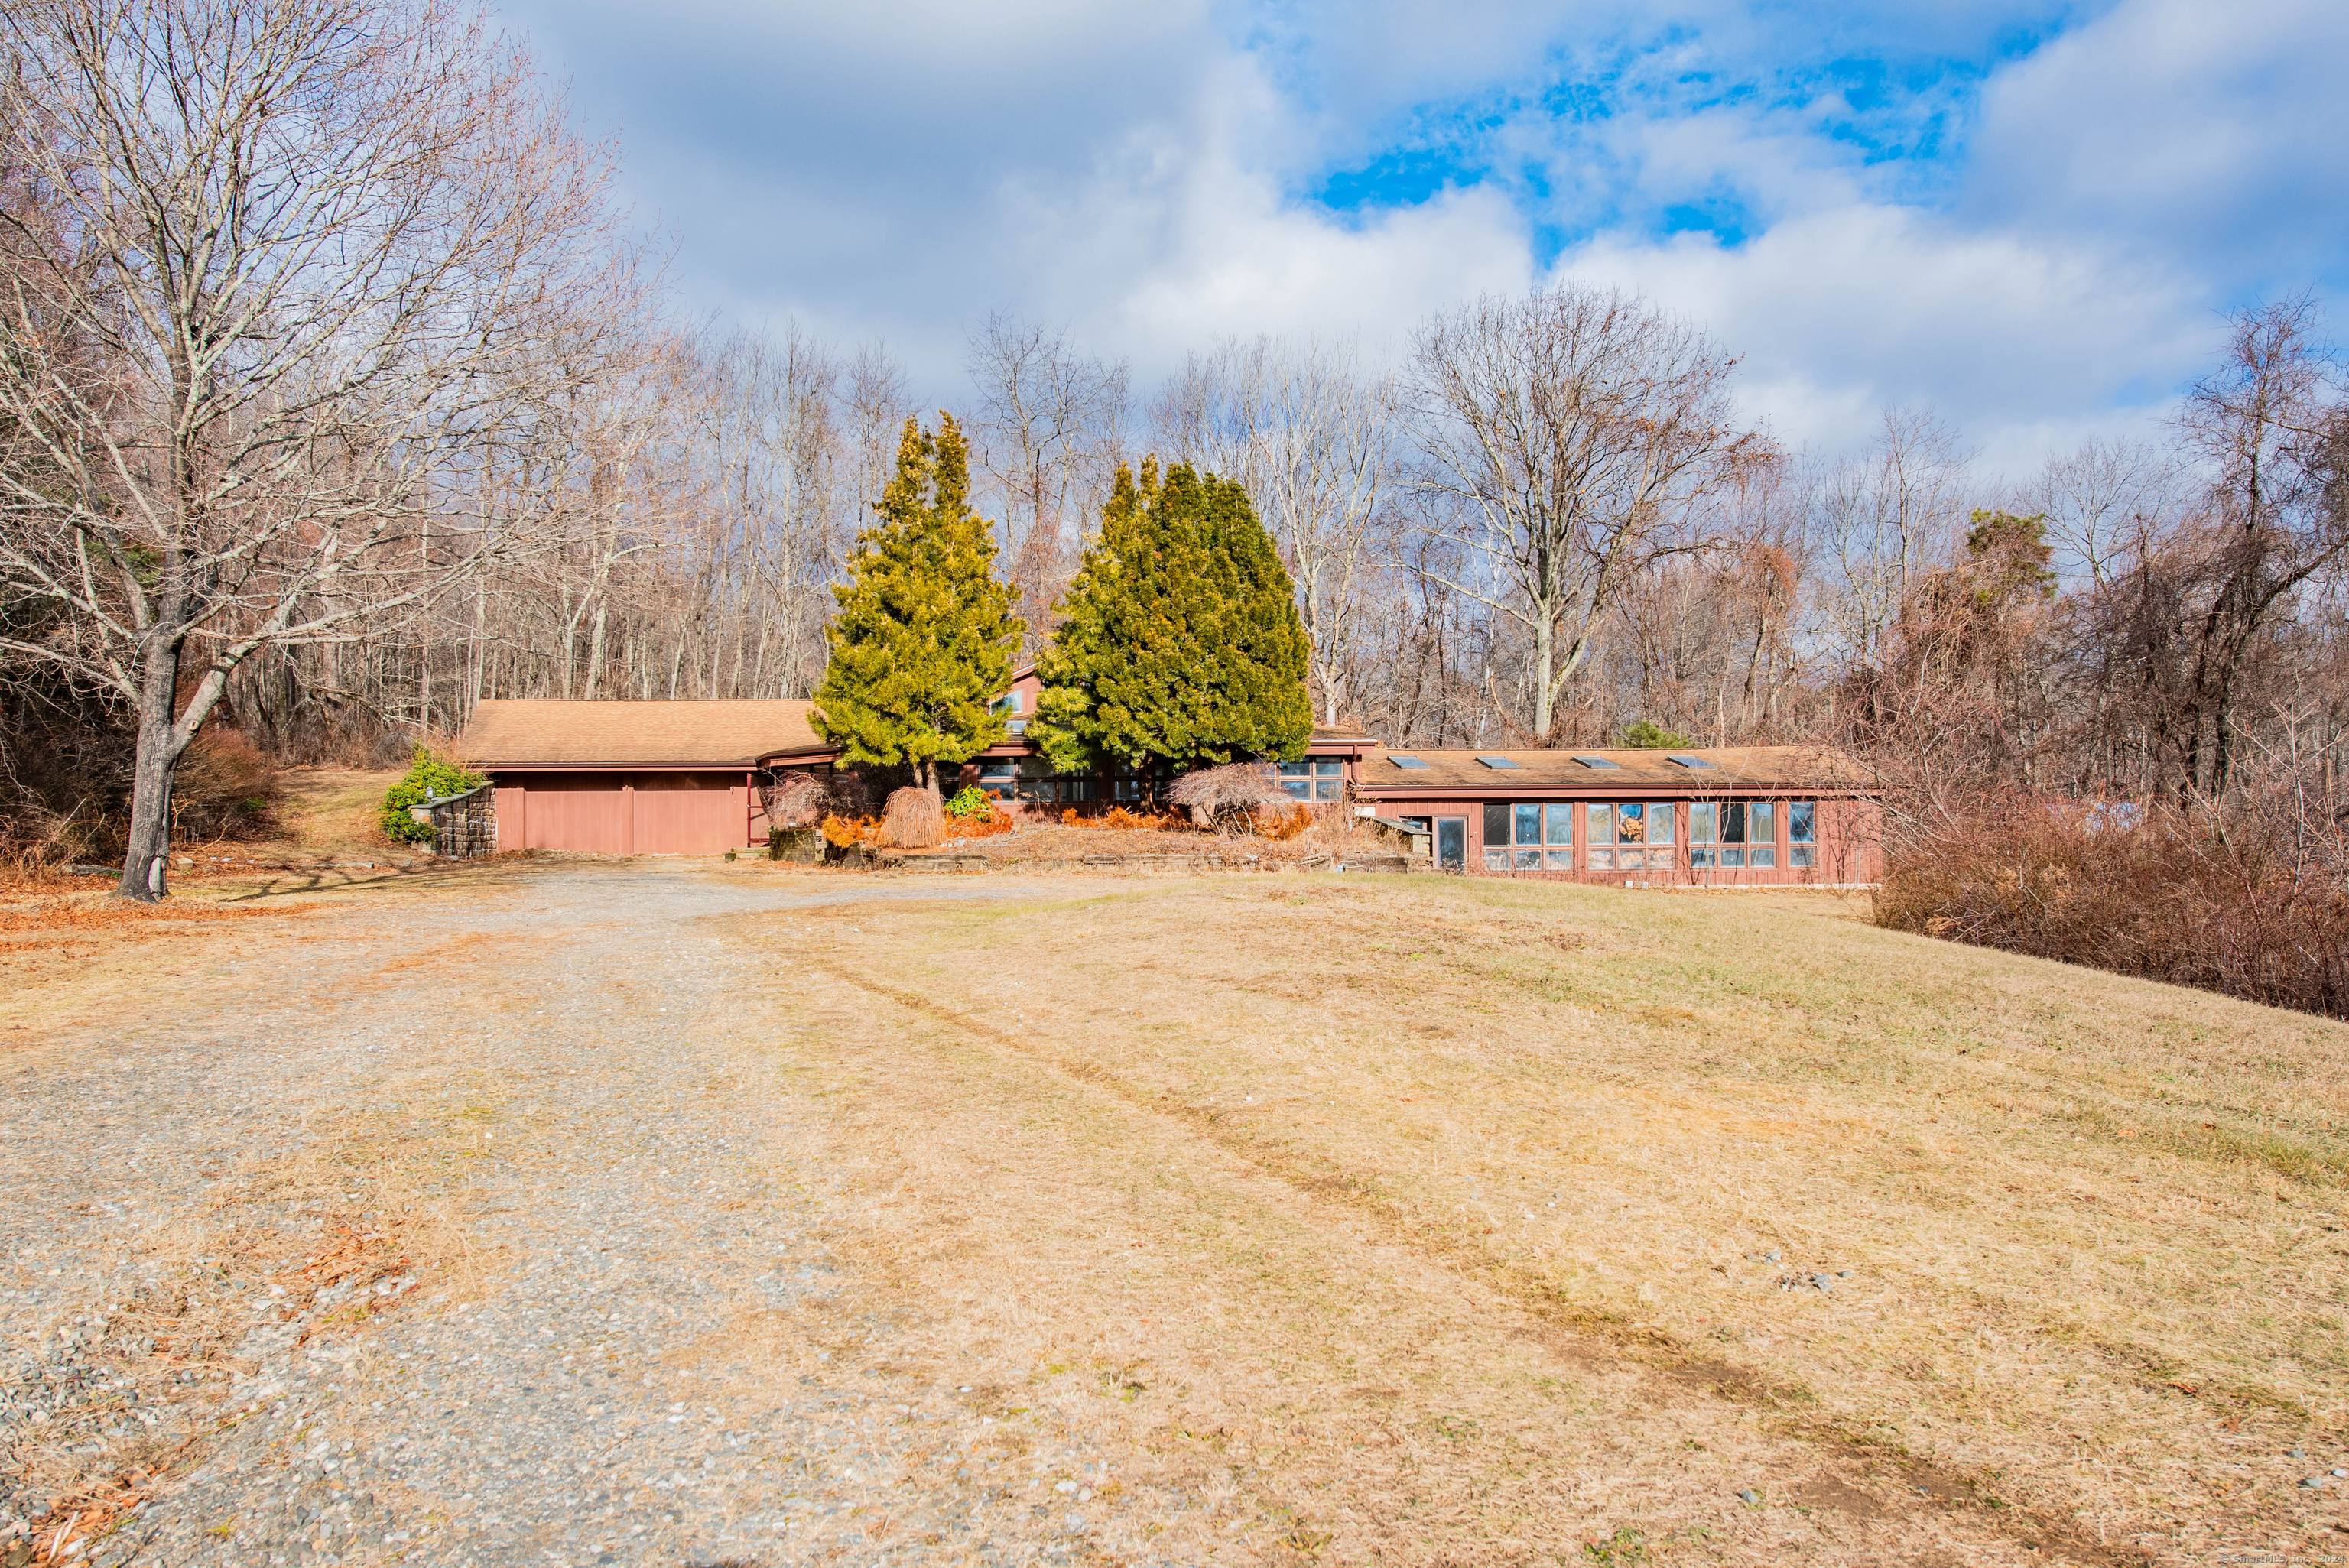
(1450,844)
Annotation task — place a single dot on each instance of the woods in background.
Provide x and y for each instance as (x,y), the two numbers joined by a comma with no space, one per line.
(338,400)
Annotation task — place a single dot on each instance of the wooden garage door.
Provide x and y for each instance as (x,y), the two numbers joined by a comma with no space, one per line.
(622,814)
(687,813)
(563,811)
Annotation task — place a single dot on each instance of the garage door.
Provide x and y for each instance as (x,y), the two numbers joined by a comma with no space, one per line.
(622,814)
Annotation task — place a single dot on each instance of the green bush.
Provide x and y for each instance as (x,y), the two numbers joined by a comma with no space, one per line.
(427,776)
(970,802)
(1648,734)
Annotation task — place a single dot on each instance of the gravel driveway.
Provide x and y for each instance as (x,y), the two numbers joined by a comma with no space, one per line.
(573,1067)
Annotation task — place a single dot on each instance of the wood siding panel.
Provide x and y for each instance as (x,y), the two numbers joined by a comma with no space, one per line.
(573,811)
(688,813)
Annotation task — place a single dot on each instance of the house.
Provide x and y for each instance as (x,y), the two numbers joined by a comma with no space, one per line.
(683,776)
(1723,817)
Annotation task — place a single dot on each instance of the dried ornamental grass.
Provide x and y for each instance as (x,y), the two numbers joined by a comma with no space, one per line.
(913,820)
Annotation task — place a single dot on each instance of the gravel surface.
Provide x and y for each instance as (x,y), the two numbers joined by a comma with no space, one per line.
(610,1366)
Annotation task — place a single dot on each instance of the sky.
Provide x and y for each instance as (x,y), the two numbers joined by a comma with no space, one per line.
(2027,218)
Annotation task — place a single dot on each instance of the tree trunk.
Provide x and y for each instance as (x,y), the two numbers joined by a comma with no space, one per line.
(147,858)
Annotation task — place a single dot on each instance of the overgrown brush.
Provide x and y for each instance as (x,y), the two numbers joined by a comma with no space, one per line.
(797,800)
(2215,899)
(1230,797)
(223,789)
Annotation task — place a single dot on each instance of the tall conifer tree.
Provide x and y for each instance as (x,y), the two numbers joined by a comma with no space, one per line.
(1182,643)
(924,641)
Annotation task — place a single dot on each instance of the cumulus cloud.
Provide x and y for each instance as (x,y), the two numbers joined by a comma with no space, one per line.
(2021,212)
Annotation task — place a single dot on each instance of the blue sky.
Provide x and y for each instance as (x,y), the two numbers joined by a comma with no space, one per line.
(2027,217)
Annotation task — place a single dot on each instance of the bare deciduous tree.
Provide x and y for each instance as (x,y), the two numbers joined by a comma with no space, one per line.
(1050,432)
(1567,436)
(1883,521)
(308,250)
(2104,502)
(1311,436)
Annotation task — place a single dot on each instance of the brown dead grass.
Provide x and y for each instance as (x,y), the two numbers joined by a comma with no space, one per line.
(1433,1198)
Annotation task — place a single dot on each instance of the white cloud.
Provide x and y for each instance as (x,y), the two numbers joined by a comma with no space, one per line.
(899,173)
(2211,133)
(1841,312)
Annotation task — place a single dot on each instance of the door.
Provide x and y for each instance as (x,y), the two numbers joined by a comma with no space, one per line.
(1450,844)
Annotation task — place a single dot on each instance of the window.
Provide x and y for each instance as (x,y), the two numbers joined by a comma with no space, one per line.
(1059,790)
(1802,832)
(1629,836)
(998,778)
(1315,778)
(1008,703)
(1032,779)
(1126,785)
(1496,762)
(1529,836)
(1594,762)
(1734,834)
(1400,760)
(1687,761)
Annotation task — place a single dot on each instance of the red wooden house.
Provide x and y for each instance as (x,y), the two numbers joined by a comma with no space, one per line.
(683,777)
(1723,817)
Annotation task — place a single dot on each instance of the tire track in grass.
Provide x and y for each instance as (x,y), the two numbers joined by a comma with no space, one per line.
(1578,1335)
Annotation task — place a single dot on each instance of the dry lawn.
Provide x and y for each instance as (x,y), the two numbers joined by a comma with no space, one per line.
(1438,1221)
(1458,1220)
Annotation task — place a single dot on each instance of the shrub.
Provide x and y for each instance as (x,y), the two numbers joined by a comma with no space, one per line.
(913,820)
(428,776)
(1647,734)
(1283,822)
(797,800)
(1230,796)
(2194,898)
(222,788)
(997,820)
(1119,817)
(841,833)
(971,804)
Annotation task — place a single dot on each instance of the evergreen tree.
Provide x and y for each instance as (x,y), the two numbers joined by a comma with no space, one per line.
(923,644)
(1182,643)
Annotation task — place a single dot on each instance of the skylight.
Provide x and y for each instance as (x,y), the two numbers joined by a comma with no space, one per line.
(1690,761)
(1496,762)
(1594,762)
(1402,760)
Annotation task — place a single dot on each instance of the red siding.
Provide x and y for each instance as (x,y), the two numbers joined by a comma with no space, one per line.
(685,813)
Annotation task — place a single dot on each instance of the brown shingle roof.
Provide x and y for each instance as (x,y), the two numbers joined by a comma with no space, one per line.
(515,732)
(1638,771)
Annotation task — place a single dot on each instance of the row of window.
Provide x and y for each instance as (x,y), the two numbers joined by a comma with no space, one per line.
(1637,835)
(1008,778)
(1315,778)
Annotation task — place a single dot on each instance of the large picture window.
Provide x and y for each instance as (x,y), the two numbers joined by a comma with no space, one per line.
(1529,836)
(1733,835)
(1629,836)
(1802,832)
